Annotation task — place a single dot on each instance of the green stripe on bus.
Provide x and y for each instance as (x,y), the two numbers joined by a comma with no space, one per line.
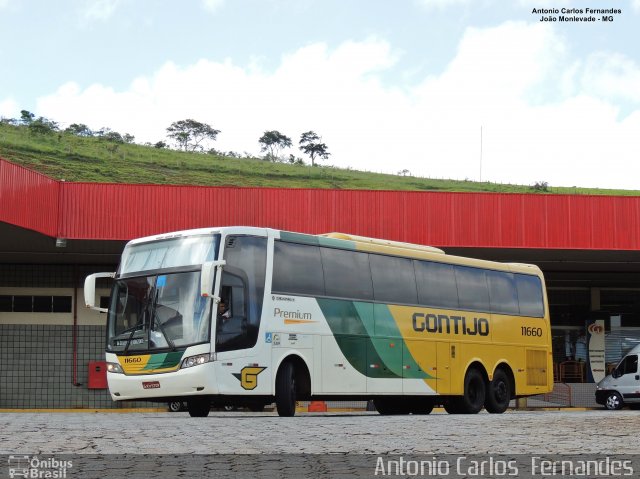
(383,355)
(386,332)
(164,360)
(351,335)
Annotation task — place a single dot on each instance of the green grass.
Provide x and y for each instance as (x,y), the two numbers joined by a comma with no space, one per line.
(72,158)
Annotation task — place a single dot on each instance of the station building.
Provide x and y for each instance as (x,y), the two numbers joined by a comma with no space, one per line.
(54,233)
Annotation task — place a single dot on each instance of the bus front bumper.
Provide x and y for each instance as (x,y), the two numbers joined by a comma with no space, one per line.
(193,381)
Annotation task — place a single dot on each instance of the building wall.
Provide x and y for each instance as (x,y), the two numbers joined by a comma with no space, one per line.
(37,348)
(37,367)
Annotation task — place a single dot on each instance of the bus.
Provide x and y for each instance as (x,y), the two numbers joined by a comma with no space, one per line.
(321,317)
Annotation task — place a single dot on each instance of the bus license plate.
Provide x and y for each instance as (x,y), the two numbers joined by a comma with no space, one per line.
(150,384)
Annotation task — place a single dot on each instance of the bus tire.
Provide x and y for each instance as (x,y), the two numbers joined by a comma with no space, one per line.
(498,393)
(199,407)
(391,406)
(472,400)
(421,405)
(451,406)
(286,390)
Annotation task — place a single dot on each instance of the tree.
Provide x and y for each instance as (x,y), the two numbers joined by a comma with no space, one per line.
(189,134)
(42,126)
(26,117)
(273,141)
(79,129)
(541,186)
(160,144)
(310,144)
(110,135)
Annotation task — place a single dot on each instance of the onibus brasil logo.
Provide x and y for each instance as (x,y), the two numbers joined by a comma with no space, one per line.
(38,468)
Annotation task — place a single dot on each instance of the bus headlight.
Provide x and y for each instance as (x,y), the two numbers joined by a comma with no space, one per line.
(195,360)
(114,368)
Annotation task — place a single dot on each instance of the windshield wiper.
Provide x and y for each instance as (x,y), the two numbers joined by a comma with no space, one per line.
(137,327)
(164,333)
(154,319)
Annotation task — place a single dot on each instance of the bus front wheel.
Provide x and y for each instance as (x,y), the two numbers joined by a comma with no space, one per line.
(286,390)
(498,393)
(198,407)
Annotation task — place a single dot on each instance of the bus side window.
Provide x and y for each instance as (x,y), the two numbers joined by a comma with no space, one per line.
(394,280)
(436,284)
(346,274)
(243,276)
(502,292)
(530,295)
(473,290)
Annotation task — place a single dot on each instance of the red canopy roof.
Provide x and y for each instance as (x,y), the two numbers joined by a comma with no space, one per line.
(492,220)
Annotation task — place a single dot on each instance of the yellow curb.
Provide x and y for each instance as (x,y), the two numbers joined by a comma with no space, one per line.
(88,410)
(568,408)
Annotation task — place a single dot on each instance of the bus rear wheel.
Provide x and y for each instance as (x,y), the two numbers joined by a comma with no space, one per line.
(286,390)
(472,400)
(198,407)
(498,393)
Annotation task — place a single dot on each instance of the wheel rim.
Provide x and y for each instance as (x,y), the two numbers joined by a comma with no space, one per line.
(613,402)
(500,391)
(476,393)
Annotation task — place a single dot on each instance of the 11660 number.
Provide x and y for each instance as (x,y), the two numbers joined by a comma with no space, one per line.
(529,331)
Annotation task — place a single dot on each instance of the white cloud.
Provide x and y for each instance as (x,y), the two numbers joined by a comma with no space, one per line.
(98,10)
(212,5)
(496,80)
(9,108)
(612,75)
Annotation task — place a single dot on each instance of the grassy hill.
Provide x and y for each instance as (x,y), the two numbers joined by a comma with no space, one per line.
(73,158)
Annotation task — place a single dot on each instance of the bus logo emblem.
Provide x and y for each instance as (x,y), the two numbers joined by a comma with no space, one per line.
(249,377)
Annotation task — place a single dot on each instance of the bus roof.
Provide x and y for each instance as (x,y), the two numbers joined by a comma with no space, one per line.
(381,242)
(395,248)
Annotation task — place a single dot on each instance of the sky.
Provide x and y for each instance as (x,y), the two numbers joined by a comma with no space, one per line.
(463,89)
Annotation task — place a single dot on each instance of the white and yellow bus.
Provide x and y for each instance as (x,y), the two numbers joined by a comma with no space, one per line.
(323,317)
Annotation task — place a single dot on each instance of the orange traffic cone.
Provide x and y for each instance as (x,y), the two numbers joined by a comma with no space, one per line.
(317,406)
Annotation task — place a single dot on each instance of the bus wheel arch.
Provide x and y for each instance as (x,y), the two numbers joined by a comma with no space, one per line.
(293,382)
(500,390)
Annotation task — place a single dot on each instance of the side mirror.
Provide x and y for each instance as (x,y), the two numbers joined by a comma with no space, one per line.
(208,275)
(90,290)
(616,373)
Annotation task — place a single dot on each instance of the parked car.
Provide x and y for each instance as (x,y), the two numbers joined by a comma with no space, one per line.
(622,386)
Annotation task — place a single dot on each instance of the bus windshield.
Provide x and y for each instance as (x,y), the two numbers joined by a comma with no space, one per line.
(162,311)
(156,302)
(170,253)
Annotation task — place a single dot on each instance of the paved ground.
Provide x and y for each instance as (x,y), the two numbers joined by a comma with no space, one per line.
(526,432)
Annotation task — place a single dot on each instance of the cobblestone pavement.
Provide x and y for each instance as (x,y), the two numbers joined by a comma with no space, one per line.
(523,432)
